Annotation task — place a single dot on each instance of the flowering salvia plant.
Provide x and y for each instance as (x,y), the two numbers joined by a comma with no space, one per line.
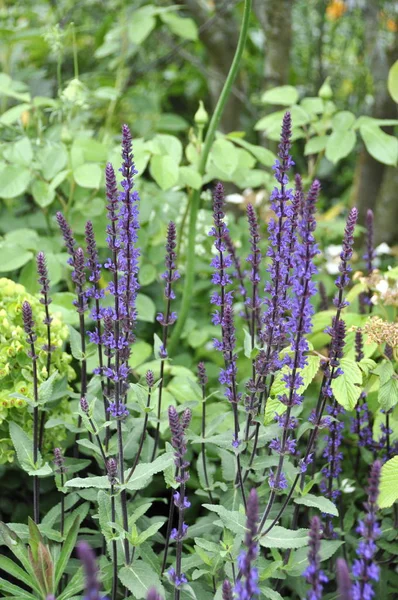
(240,480)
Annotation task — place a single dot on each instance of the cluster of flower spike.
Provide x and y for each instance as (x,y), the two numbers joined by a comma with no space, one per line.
(247,586)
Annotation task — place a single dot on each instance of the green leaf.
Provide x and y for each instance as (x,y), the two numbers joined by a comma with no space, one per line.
(43,194)
(139,578)
(345,388)
(46,388)
(188,176)
(280,537)
(343,120)
(75,586)
(149,532)
(316,144)
(13,542)
(380,145)
(263,155)
(13,257)
(232,519)
(388,483)
(140,25)
(19,152)
(10,116)
(146,308)
(270,593)
(224,156)
(23,446)
(52,158)
(285,95)
(14,181)
(299,559)
(88,175)
(147,274)
(183,27)
(14,591)
(324,505)
(9,566)
(144,471)
(164,171)
(392,82)
(340,143)
(67,549)
(75,341)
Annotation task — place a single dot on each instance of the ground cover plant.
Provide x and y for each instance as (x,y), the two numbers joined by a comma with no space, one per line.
(198,405)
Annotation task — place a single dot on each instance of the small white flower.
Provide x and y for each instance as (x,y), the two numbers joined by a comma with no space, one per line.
(382,249)
(234,198)
(382,286)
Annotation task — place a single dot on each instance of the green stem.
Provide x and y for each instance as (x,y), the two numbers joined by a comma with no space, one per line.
(195,199)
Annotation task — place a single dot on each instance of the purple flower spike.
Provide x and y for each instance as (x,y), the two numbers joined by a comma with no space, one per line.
(369,255)
(92,584)
(150,379)
(274,330)
(59,461)
(343,580)
(202,375)
(92,264)
(364,568)
(227,592)
(254,259)
(247,588)
(170,275)
(43,280)
(111,469)
(153,595)
(314,575)
(28,322)
(177,426)
(345,256)
(67,234)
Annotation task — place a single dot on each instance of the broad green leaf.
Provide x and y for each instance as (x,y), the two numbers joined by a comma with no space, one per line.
(67,549)
(146,308)
(13,542)
(183,27)
(324,505)
(139,578)
(140,25)
(13,114)
(285,95)
(316,144)
(388,394)
(280,537)
(393,82)
(88,175)
(263,155)
(188,176)
(43,194)
(345,387)
(343,120)
(75,586)
(147,274)
(270,593)
(164,171)
(271,124)
(52,158)
(388,483)
(224,157)
(13,257)
(14,181)
(166,145)
(20,152)
(380,145)
(340,143)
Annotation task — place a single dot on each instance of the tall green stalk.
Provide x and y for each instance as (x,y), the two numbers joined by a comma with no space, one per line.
(195,197)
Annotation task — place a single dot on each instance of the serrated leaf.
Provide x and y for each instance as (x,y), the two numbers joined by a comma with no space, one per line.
(23,446)
(67,548)
(144,535)
(75,343)
(345,387)
(232,519)
(299,559)
(324,504)
(139,578)
(388,483)
(46,388)
(280,537)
